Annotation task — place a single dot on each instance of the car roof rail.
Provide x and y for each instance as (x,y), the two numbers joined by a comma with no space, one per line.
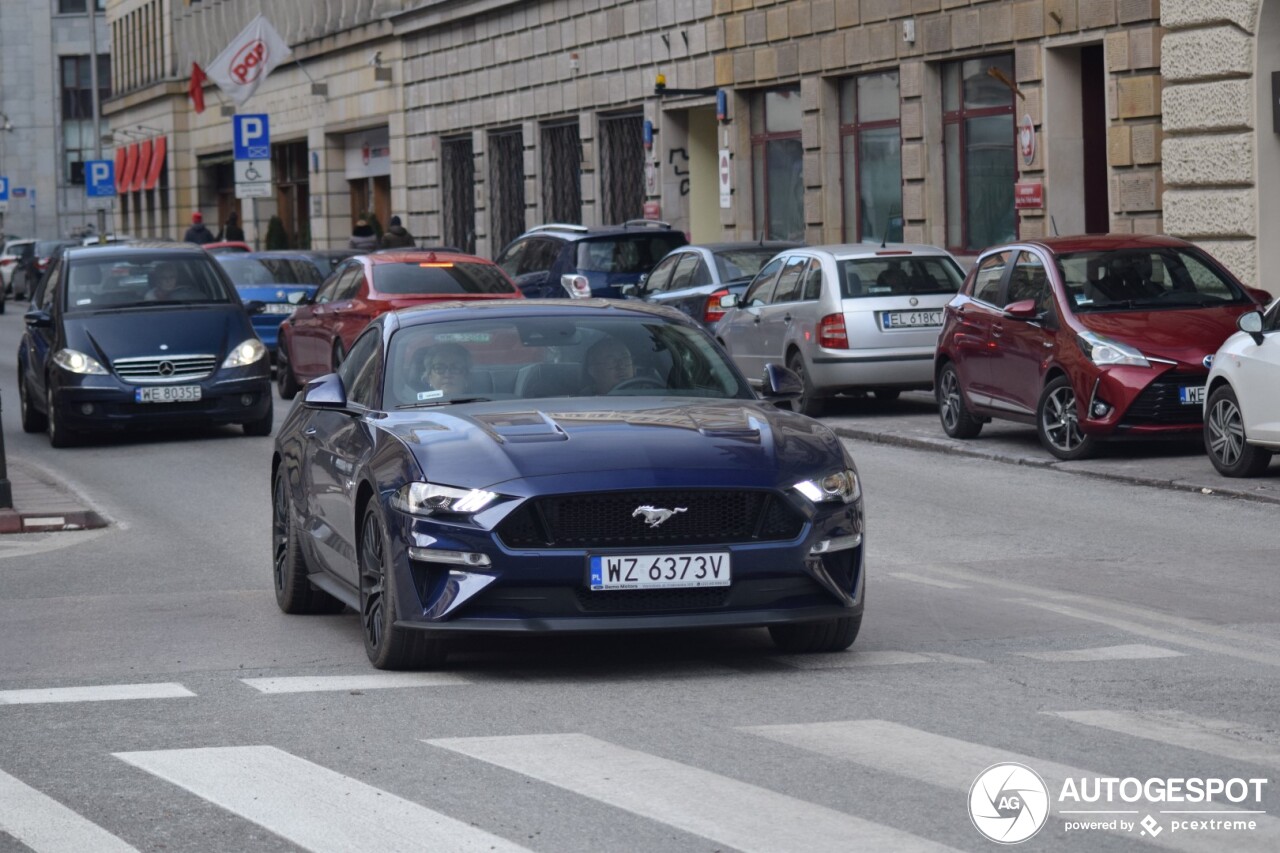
(560,226)
(651,223)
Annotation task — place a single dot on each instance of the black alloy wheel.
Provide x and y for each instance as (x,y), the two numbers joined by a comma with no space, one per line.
(1225,439)
(32,420)
(809,403)
(286,381)
(957,421)
(1059,424)
(388,646)
(294,592)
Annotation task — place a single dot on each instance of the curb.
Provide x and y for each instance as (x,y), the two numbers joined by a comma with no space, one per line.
(57,507)
(947,446)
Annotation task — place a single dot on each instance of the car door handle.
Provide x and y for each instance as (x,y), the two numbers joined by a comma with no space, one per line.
(309,431)
(786,318)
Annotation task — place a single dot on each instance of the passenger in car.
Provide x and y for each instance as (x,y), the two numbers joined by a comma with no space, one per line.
(163,281)
(446,371)
(608,362)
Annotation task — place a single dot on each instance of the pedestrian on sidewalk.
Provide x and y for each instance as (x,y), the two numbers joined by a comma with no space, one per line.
(397,236)
(198,233)
(232,230)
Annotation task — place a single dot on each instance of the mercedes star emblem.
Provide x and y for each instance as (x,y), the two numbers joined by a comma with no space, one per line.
(166,368)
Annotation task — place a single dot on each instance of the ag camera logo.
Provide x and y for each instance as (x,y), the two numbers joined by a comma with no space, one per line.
(1008,803)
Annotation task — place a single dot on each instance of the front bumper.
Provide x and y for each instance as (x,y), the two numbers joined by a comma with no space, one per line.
(548,591)
(105,402)
(1142,402)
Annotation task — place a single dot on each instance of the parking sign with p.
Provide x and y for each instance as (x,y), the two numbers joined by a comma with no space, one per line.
(252,137)
(100,178)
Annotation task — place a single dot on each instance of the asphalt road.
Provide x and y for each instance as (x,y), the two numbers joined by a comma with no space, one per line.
(152,697)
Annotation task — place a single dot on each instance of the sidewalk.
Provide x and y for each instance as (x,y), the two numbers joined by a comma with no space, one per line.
(41,505)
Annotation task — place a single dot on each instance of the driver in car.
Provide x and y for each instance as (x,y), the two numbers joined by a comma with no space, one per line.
(446,371)
(608,363)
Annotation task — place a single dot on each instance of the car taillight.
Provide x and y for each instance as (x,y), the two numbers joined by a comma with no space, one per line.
(832,333)
(41,263)
(5,262)
(713,311)
(576,286)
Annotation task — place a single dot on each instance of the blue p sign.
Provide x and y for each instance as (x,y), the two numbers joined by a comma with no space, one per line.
(252,137)
(99,178)
(4,189)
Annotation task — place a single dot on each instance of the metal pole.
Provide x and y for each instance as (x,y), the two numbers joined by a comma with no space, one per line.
(97,109)
(6,493)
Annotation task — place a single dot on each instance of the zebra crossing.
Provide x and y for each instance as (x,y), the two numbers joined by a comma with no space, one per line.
(320,808)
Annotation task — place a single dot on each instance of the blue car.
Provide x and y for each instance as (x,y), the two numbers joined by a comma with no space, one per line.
(279,280)
(140,335)
(560,466)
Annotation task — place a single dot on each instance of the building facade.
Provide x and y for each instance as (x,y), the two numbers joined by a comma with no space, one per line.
(46,113)
(954,122)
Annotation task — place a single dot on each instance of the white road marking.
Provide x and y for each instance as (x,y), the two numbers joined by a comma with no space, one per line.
(724,810)
(845,660)
(44,521)
(1175,728)
(954,764)
(1131,652)
(309,805)
(97,693)
(46,826)
(907,576)
(376,681)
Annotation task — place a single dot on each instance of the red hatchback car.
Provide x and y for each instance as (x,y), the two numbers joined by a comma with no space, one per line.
(315,338)
(1086,337)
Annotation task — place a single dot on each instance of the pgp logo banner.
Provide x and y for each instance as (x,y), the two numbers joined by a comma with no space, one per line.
(247,61)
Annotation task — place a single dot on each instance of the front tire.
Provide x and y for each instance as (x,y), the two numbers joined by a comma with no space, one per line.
(294,592)
(1225,439)
(957,420)
(59,435)
(1058,423)
(286,381)
(832,635)
(388,646)
(32,421)
(809,403)
(263,425)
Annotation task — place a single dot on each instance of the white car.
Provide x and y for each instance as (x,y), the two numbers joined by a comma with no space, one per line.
(851,318)
(9,261)
(1242,406)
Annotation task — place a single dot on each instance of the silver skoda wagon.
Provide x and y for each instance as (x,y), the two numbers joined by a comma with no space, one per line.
(851,318)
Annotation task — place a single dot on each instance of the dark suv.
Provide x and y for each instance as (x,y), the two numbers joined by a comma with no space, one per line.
(577,261)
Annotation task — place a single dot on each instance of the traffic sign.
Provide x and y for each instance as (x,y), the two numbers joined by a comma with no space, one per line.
(251,137)
(4,194)
(100,178)
(726,178)
(253,171)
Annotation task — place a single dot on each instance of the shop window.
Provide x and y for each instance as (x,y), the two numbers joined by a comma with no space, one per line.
(979,152)
(871,157)
(777,165)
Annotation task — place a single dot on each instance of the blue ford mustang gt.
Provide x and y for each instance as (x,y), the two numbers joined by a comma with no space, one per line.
(560,465)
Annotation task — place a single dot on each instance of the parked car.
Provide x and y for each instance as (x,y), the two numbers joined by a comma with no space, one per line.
(1242,409)
(849,318)
(333,257)
(110,239)
(695,279)
(222,247)
(1086,337)
(9,258)
(437,513)
(574,260)
(140,335)
(32,264)
(279,280)
(315,339)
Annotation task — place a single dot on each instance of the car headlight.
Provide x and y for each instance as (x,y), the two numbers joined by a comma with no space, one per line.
(836,487)
(246,353)
(74,361)
(429,498)
(1104,351)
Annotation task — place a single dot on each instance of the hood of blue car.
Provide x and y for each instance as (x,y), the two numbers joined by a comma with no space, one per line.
(195,330)
(735,442)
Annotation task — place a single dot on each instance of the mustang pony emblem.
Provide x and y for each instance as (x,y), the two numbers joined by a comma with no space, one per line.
(654,516)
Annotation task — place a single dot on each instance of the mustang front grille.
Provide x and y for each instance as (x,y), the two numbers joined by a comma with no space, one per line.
(168,368)
(625,519)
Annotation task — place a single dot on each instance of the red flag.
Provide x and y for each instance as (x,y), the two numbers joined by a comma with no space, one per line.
(195,89)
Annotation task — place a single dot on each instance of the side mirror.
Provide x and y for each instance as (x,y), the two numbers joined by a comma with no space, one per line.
(1262,297)
(299,297)
(325,392)
(1250,322)
(729,300)
(255,306)
(631,291)
(1023,309)
(780,383)
(38,318)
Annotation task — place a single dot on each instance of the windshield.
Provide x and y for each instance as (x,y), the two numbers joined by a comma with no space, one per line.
(628,254)
(143,280)
(742,263)
(1166,277)
(447,277)
(538,357)
(245,270)
(899,275)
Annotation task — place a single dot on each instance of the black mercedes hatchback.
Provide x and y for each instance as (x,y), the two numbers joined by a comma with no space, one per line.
(150,335)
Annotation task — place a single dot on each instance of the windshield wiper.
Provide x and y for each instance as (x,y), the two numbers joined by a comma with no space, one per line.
(427,404)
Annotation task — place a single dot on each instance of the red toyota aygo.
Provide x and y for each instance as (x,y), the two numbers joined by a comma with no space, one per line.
(1087,338)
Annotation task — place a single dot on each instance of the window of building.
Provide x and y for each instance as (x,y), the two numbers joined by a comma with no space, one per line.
(621,168)
(78,7)
(777,165)
(77,111)
(871,157)
(458,179)
(506,188)
(979,151)
(561,173)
